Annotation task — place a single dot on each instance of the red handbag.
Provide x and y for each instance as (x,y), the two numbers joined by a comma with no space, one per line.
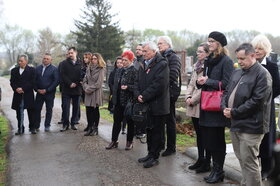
(211,100)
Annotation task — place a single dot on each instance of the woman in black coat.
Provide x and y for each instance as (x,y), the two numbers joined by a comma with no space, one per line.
(263,48)
(217,68)
(117,65)
(122,94)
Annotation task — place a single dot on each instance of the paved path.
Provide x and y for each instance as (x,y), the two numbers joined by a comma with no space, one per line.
(69,158)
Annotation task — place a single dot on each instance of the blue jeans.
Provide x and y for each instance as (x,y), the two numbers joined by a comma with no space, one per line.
(48,99)
(66,100)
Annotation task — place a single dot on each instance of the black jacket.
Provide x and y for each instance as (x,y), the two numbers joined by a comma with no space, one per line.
(174,64)
(124,76)
(152,83)
(49,80)
(26,81)
(70,73)
(217,69)
(252,100)
(128,78)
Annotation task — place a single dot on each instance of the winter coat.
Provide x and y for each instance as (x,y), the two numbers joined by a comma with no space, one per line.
(152,83)
(174,64)
(252,100)
(217,69)
(194,93)
(26,81)
(92,85)
(70,73)
(128,78)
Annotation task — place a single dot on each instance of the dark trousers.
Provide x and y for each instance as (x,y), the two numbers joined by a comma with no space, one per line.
(202,152)
(48,99)
(93,116)
(66,99)
(214,142)
(118,118)
(170,129)
(20,116)
(154,135)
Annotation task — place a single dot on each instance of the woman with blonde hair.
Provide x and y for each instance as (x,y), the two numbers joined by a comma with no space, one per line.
(92,85)
(263,48)
(217,70)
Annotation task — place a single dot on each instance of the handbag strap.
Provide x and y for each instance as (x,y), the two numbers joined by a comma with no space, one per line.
(220,86)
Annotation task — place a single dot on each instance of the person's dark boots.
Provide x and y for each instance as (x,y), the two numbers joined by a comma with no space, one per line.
(86,129)
(217,176)
(197,164)
(113,144)
(89,132)
(205,166)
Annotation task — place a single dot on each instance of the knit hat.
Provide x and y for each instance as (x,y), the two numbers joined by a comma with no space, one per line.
(129,55)
(218,36)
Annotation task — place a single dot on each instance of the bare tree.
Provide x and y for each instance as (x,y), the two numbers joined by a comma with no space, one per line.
(16,40)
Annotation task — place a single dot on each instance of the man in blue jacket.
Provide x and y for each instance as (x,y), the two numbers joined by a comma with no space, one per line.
(47,79)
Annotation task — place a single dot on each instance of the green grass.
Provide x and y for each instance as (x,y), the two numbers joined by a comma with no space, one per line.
(4,127)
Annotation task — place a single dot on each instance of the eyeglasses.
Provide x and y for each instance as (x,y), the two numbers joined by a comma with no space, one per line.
(200,51)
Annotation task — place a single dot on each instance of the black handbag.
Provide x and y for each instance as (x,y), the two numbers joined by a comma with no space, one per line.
(140,112)
(128,110)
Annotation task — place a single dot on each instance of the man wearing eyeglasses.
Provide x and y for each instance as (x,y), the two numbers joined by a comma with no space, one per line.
(22,82)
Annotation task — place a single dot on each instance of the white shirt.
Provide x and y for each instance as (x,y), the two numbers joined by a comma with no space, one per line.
(263,61)
(21,70)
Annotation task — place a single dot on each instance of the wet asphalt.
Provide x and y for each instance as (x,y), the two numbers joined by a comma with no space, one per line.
(69,158)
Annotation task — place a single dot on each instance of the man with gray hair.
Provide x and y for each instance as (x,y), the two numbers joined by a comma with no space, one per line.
(246,102)
(151,87)
(22,82)
(174,64)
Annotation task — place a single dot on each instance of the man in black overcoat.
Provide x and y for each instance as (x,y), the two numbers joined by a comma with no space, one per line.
(22,82)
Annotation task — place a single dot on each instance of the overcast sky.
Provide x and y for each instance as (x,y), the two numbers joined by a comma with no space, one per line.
(201,16)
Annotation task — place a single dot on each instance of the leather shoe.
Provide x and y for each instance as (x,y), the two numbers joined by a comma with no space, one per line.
(150,163)
(33,131)
(64,128)
(129,145)
(144,159)
(113,144)
(47,129)
(73,127)
(168,152)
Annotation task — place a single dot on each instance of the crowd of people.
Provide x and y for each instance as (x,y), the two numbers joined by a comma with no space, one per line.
(153,77)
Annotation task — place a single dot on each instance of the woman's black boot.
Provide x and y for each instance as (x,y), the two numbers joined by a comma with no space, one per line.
(196,165)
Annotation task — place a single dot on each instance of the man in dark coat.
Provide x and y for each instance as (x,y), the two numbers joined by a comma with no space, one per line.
(152,87)
(22,82)
(70,77)
(174,64)
(47,79)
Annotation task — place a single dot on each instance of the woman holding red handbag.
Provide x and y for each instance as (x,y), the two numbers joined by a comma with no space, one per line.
(217,70)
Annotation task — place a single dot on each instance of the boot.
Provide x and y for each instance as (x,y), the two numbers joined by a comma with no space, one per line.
(205,166)
(217,175)
(113,144)
(218,172)
(89,132)
(95,131)
(211,173)
(129,145)
(86,129)
(197,164)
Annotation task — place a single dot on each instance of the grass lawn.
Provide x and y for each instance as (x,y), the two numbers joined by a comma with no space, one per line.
(4,127)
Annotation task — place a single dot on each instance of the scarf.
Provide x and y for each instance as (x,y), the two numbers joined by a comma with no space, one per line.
(210,62)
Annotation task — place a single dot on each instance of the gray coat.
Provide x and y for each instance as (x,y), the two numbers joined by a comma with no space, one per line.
(92,85)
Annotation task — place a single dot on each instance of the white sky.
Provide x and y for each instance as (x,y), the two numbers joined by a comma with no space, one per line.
(201,16)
